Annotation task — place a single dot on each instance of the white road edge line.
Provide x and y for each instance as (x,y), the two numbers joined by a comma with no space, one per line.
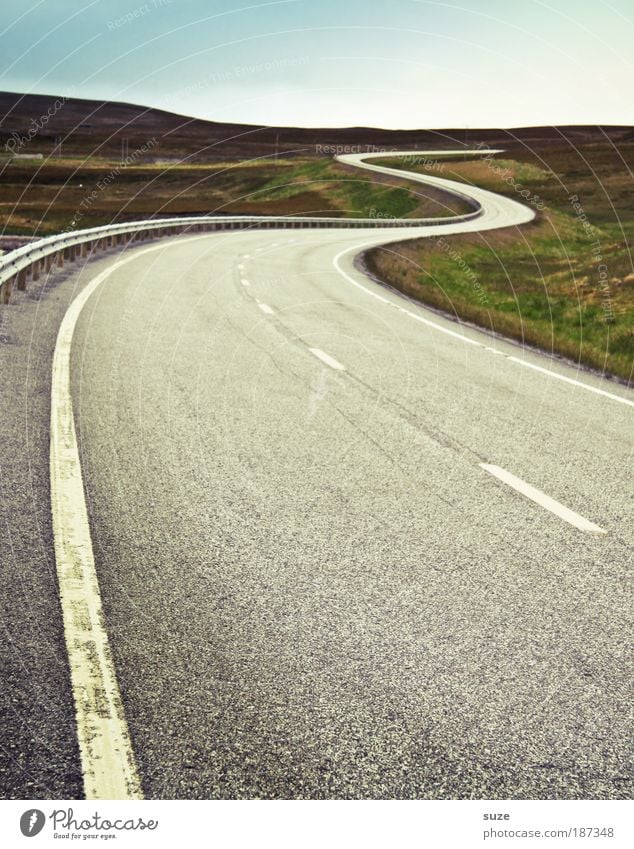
(265,308)
(383,300)
(466,339)
(107,758)
(326,358)
(542,499)
(574,382)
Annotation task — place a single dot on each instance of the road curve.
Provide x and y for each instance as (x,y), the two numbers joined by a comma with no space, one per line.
(346,548)
(495,210)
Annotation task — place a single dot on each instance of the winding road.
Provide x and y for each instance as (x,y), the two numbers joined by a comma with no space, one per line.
(345,547)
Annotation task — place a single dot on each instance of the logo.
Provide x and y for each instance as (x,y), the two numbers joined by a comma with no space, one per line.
(32,822)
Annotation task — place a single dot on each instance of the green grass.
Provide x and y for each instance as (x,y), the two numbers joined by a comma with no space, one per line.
(539,283)
(46,197)
(549,283)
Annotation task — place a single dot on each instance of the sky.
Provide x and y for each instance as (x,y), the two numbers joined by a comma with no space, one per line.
(387,63)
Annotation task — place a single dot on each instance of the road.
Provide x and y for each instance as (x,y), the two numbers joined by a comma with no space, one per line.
(316,577)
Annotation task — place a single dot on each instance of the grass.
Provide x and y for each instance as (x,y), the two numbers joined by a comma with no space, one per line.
(545,283)
(42,197)
(557,283)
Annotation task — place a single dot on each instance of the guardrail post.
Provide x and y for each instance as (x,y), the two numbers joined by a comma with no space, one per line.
(22,279)
(35,270)
(5,290)
(60,258)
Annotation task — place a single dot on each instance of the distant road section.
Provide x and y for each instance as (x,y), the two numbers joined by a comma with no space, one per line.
(496,210)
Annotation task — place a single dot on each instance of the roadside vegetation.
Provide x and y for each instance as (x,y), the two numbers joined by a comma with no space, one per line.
(39,197)
(564,282)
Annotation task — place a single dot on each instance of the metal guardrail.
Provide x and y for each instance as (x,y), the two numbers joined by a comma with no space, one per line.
(28,262)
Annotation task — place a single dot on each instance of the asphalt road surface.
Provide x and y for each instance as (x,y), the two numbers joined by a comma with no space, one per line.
(318,578)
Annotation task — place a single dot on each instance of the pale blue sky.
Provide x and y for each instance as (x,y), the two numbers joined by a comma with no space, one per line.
(391,63)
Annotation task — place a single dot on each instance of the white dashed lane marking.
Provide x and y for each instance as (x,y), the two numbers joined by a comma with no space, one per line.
(326,358)
(542,499)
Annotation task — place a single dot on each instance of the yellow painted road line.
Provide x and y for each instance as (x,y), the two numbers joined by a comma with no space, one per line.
(107,757)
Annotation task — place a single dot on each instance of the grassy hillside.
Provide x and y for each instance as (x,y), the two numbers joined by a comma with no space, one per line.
(98,128)
(47,196)
(178,165)
(564,282)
